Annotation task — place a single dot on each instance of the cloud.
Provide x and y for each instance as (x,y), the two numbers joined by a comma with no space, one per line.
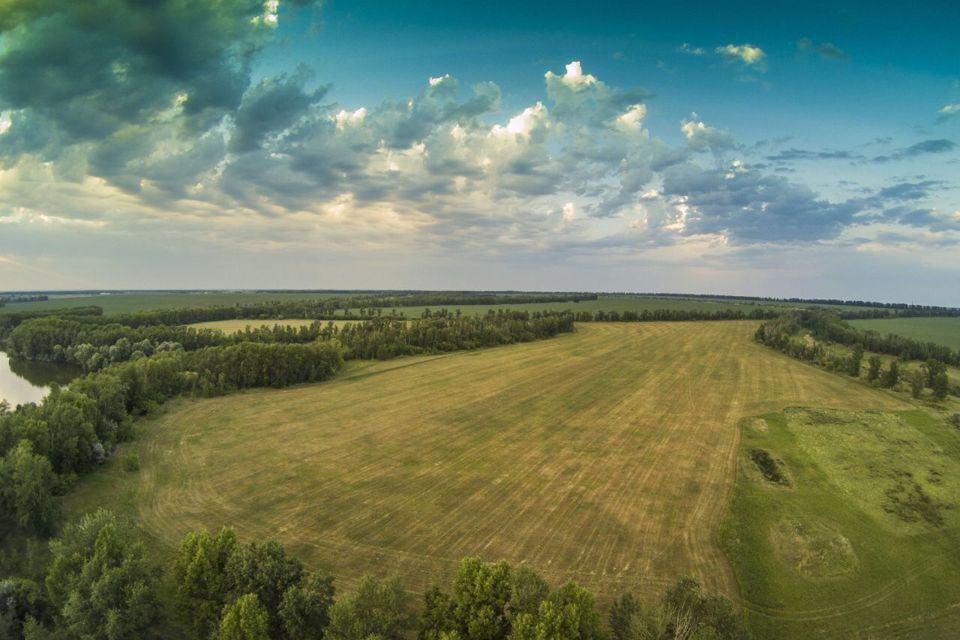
(921,148)
(701,137)
(826,50)
(789,155)
(271,106)
(745,53)
(949,111)
(692,51)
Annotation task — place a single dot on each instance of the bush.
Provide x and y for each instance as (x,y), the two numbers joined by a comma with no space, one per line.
(769,467)
(131,463)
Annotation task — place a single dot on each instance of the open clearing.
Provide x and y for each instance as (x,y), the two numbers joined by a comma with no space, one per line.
(233,326)
(606,456)
(862,542)
(945,331)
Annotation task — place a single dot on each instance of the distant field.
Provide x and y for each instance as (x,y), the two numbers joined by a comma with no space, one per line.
(862,542)
(233,326)
(606,456)
(945,331)
(134,302)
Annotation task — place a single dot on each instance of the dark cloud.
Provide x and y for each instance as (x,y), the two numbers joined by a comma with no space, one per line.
(909,190)
(788,155)
(921,148)
(89,73)
(826,50)
(271,106)
(755,207)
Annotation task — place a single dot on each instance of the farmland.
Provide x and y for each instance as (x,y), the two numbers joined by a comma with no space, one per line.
(945,331)
(607,456)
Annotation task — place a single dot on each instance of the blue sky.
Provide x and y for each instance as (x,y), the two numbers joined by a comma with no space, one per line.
(748,148)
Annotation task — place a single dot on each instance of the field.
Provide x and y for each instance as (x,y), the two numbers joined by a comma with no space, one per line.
(147,301)
(945,331)
(859,539)
(607,456)
(233,326)
(150,301)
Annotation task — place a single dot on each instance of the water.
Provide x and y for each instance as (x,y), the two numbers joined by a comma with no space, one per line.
(23,381)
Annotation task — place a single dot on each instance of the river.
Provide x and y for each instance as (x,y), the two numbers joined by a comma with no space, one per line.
(23,381)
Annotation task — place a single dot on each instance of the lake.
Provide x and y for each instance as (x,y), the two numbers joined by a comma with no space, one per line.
(23,381)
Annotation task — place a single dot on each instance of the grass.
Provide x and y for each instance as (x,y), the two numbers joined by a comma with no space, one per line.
(945,331)
(864,542)
(606,456)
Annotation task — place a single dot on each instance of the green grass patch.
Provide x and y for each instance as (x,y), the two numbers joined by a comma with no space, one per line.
(865,544)
(945,331)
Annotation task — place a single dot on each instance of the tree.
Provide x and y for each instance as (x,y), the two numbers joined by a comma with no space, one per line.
(932,369)
(202,582)
(381,609)
(481,594)
(941,385)
(264,569)
(874,363)
(528,590)
(100,581)
(917,380)
(27,484)
(305,609)
(622,614)
(568,614)
(855,360)
(891,376)
(245,619)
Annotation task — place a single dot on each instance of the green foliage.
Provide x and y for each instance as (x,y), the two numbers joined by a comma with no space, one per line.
(244,619)
(379,609)
(305,608)
(917,380)
(568,614)
(264,569)
(528,590)
(100,581)
(855,361)
(891,375)
(27,486)
(940,385)
(203,585)
(874,364)
(622,613)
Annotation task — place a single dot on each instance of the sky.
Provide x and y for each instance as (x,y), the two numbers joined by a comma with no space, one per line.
(752,148)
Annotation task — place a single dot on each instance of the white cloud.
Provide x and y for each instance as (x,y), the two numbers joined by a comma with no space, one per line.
(632,117)
(438,80)
(524,123)
(746,53)
(950,109)
(350,118)
(701,137)
(569,213)
(574,77)
(693,51)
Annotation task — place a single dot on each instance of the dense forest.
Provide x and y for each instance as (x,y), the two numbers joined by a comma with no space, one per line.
(99,583)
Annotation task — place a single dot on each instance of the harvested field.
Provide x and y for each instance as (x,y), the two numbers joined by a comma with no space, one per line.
(606,456)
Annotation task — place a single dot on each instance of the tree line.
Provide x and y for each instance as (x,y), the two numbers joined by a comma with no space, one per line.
(44,448)
(802,335)
(99,583)
(96,344)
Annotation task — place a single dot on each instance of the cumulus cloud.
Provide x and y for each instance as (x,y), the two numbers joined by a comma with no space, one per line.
(949,111)
(745,53)
(701,137)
